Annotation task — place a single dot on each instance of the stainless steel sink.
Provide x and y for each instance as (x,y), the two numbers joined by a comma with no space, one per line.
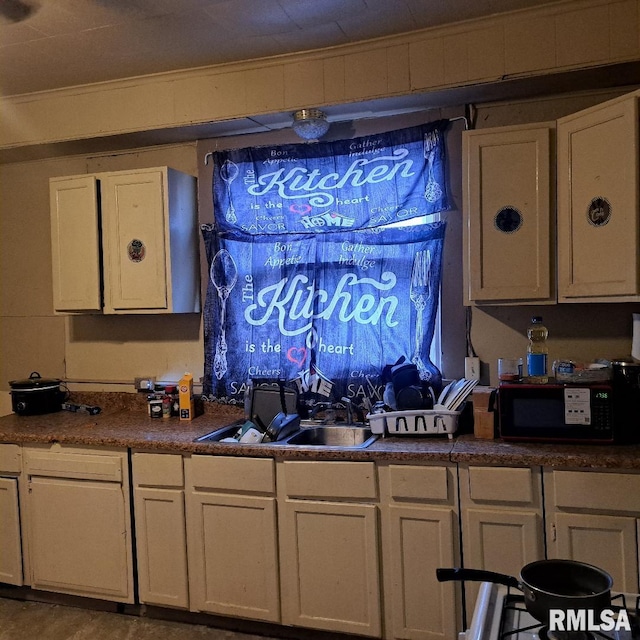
(343,437)
(316,436)
(219,434)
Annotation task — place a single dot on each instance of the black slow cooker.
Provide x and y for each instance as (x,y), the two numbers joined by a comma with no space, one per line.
(36,395)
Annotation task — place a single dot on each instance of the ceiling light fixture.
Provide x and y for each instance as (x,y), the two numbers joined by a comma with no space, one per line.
(310,124)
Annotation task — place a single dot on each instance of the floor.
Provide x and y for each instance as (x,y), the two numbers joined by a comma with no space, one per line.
(21,620)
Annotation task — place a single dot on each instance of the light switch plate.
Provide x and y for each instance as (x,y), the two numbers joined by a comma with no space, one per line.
(472,368)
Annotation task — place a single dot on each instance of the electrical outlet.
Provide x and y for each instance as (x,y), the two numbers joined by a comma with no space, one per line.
(145,384)
(472,368)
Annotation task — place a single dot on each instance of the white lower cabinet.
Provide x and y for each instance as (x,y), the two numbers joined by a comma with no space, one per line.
(502,521)
(329,542)
(232,536)
(10,536)
(79,521)
(420,533)
(592,517)
(161,546)
(341,546)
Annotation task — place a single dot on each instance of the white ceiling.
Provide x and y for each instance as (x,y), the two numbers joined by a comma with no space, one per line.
(69,42)
(64,43)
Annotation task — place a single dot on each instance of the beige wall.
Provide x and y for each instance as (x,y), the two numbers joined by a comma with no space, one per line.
(115,349)
(111,351)
(92,348)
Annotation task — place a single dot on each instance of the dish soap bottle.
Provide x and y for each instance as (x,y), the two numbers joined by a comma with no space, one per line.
(537,351)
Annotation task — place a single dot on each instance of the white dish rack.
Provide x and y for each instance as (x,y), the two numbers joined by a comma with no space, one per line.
(415,423)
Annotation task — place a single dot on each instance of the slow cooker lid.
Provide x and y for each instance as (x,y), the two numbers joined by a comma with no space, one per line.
(35,382)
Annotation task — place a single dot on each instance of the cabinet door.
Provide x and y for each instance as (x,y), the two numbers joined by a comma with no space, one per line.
(162,547)
(79,537)
(419,541)
(233,557)
(508,219)
(75,244)
(500,540)
(598,217)
(608,542)
(10,541)
(135,232)
(330,566)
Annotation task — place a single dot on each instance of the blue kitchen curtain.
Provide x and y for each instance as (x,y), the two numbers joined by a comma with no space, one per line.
(331,186)
(307,284)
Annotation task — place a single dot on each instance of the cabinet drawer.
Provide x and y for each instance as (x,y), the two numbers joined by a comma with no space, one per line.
(418,483)
(500,484)
(330,480)
(67,465)
(600,491)
(10,458)
(233,474)
(158,470)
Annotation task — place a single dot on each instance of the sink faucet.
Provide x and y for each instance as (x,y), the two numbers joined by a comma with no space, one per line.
(351,408)
(317,407)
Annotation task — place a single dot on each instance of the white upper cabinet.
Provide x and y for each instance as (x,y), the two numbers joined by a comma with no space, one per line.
(598,214)
(125,242)
(508,215)
(75,243)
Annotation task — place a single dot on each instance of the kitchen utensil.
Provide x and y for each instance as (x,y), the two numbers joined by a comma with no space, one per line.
(419,294)
(461,396)
(454,394)
(548,584)
(414,396)
(229,172)
(432,192)
(444,392)
(36,395)
(81,408)
(626,372)
(626,384)
(266,401)
(282,426)
(454,388)
(448,393)
(224,275)
(404,375)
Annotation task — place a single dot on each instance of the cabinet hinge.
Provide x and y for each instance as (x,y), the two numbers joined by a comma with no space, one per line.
(553,532)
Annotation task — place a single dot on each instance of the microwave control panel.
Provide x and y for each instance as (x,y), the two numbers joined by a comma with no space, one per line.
(588,407)
(577,406)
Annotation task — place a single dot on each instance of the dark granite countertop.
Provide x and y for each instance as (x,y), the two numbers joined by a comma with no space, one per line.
(124,423)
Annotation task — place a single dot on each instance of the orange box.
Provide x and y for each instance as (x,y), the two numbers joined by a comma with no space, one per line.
(185,397)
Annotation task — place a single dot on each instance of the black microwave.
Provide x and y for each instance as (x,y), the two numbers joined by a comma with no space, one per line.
(557,412)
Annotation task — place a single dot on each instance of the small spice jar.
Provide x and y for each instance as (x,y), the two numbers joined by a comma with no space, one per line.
(166,406)
(155,407)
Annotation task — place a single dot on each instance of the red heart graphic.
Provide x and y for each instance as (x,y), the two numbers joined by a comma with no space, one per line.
(302,209)
(297,355)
